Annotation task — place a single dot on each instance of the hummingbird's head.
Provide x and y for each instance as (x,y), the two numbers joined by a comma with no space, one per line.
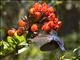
(50,37)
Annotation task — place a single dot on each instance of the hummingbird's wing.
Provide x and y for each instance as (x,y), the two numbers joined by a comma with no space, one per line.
(50,46)
(59,42)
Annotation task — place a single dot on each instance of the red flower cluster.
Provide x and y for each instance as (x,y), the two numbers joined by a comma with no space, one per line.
(51,25)
(19,31)
(35,10)
(38,10)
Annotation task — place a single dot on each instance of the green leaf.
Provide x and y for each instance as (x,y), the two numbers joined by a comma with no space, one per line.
(19,38)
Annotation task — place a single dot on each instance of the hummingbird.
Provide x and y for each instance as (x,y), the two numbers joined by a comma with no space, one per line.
(55,42)
(49,42)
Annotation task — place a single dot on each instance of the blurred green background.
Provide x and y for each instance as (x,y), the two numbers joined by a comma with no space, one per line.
(67,10)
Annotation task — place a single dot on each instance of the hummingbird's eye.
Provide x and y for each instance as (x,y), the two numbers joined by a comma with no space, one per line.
(50,38)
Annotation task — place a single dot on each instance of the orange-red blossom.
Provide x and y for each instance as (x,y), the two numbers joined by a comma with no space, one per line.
(34,27)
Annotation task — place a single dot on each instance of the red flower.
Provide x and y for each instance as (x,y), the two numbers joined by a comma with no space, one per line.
(44,8)
(20,31)
(31,11)
(58,25)
(44,4)
(51,16)
(34,27)
(45,27)
(37,15)
(51,24)
(56,20)
(37,6)
(50,9)
(11,32)
(21,23)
